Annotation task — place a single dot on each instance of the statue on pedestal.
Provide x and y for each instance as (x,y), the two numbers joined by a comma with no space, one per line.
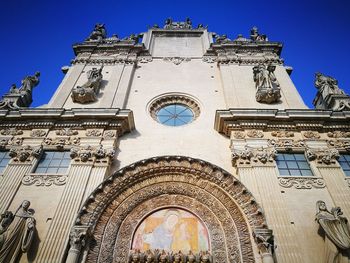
(99,33)
(16,233)
(267,87)
(337,233)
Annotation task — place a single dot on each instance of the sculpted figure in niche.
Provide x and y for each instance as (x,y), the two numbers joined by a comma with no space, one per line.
(16,233)
(99,33)
(88,92)
(267,87)
(337,234)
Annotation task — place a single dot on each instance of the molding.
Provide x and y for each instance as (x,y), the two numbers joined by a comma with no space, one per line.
(44,179)
(176,60)
(301,182)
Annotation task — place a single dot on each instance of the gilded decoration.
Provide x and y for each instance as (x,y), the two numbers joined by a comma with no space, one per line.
(44,180)
(301,182)
(118,205)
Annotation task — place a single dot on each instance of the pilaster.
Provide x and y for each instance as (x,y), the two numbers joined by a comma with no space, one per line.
(124,86)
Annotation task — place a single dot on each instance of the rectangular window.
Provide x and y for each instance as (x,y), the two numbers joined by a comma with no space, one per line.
(4,160)
(344,161)
(53,163)
(293,164)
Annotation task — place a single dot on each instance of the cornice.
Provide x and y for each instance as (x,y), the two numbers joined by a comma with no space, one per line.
(290,119)
(121,119)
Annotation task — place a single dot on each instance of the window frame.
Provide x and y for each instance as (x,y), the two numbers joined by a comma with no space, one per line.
(6,153)
(296,167)
(55,159)
(346,171)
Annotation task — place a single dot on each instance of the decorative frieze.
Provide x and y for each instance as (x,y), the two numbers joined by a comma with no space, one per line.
(109,134)
(44,179)
(11,131)
(322,156)
(281,134)
(301,182)
(209,59)
(23,154)
(136,256)
(249,155)
(339,144)
(144,59)
(61,142)
(249,134)
(312,135)
(338,134)
(14,141)
(93,133)
(287,144)
(66,132)
(88,153)
(38,133)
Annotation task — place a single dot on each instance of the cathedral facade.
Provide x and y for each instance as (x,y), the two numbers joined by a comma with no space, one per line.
(175,145)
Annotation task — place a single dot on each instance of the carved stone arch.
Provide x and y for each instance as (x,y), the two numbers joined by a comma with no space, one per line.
(113,211)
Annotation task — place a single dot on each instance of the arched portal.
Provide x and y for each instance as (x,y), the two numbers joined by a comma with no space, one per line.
(115,210)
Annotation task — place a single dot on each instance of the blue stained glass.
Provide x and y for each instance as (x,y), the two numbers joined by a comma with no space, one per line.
(175,115)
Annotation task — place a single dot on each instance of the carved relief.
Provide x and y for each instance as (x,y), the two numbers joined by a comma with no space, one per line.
(239,135)
(22,154)
(176,60)
(339,144)
(144,59)
(288,144)
(109,134)
(87,153)
(267,87)
(311,135)
(209,59)
(61,142)
(16,141)
(282,134)
(265,242)
(98,34)
(253,155)
(93,133)
(11,131)
(170,24)
(338,134)
(44,180)
(66,132)
(38,133)
(322,156)
(88,92)
(255,134)
(301,182)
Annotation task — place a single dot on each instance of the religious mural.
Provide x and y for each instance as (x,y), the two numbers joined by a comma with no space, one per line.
(171,229)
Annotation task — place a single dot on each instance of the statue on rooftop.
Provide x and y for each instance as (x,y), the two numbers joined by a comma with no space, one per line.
(16,233)
(88,92)
(222,39)
(337,233)
(99,33)
(255,36)
(267,87)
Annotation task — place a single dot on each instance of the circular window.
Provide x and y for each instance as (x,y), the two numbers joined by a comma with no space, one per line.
(174,110)
(175,115)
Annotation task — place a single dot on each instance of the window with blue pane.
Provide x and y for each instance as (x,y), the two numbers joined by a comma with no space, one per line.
(4,160)
(293,164)
(344,161)
(175,115)
(53,163)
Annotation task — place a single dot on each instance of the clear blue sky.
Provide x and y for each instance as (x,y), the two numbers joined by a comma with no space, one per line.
(38,35)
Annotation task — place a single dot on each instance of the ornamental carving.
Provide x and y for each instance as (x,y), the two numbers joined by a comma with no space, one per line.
(109,134)
(11,131)
(114,209)
(265,243)
(250,155)
(144,59)
(38,133)
(239,135)
(339,144)
(267,87)
(282,134)
(59,143)
(23,154)
(311,135)
(88,92)
(152,256)
(255,134)
(288,144)
(44,180)
(301,182)
(170,24)
(209,59)
(176,60)
(98,34)
(322,156)
(66,132)
(338,134)
(78,237)
(14,141)
(93,133)
(88,153)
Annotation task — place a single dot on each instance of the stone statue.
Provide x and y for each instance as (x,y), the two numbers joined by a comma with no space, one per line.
(168,23)
(88,92)
(267,86)
(222,39)
(132,38)
(255,36)
(337,233)
(16,233)
(188,23)
(329,96)
(22,96)
(205,257)
(99,33)
(191,258)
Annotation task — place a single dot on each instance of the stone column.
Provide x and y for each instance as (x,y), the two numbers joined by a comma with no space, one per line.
(262,180)
(24,158)
(56,240)
(325,163)
(77,240)
(264,241)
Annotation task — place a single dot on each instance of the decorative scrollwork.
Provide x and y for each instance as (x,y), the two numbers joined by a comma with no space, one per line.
(38,133)
(44,180)
(301,182)
(11,131)
(311,135)
(322,156)
(66,132)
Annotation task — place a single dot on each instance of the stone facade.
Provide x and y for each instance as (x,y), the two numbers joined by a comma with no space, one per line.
(220,162)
